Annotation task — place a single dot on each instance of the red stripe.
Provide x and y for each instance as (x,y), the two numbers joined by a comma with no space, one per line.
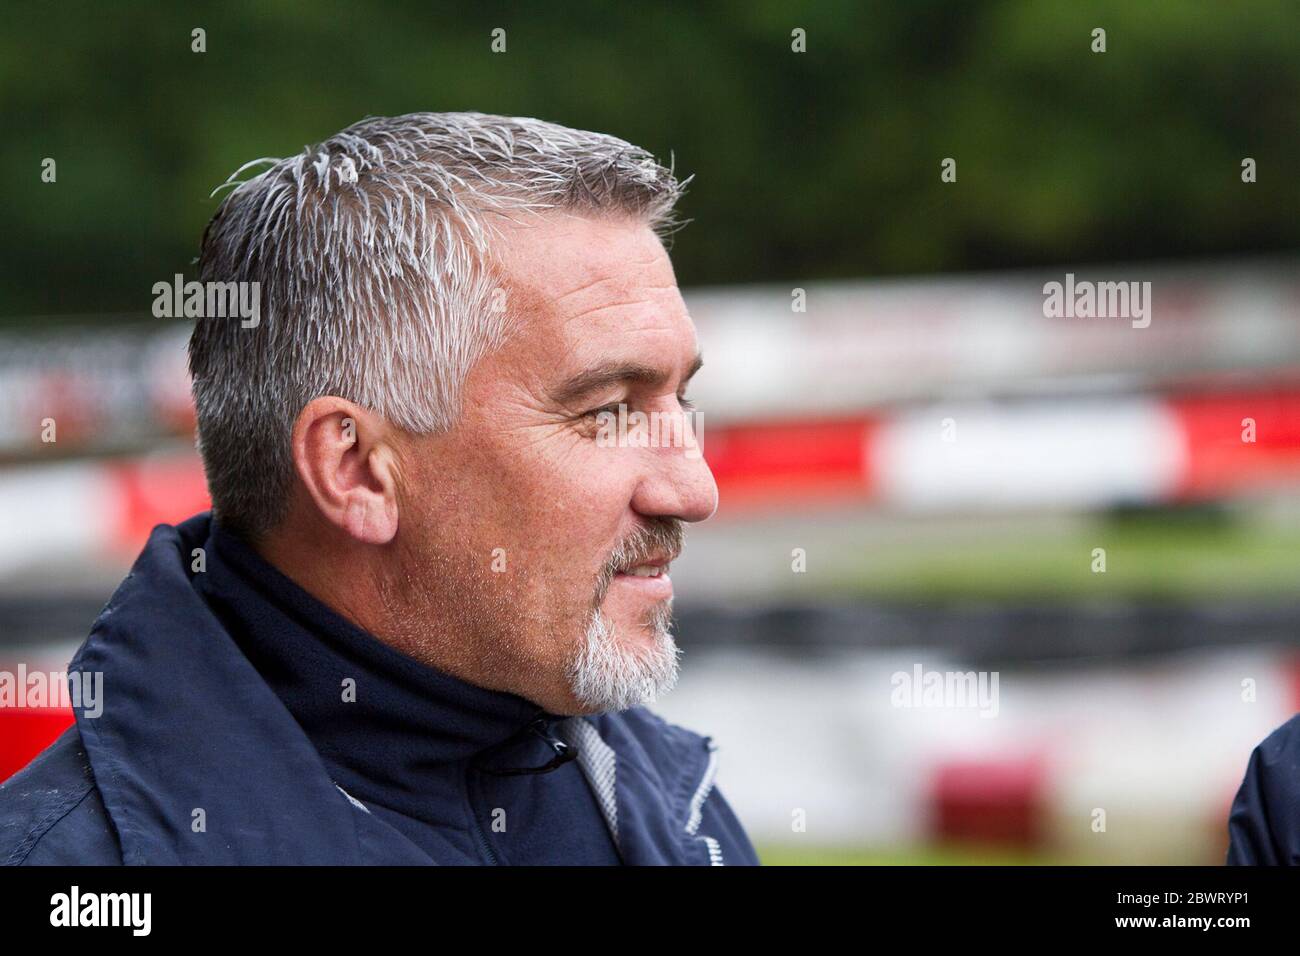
(999,801)
(25,732)
(774,462)
(151,491)
(1219,461)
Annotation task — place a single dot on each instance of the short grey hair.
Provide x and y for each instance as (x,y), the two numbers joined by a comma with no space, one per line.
(374,257)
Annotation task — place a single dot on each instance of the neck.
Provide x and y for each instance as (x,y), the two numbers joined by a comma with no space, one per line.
(386,726)
(373,588)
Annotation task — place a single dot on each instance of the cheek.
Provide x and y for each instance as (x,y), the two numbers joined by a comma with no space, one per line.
(553,499)
(573,504)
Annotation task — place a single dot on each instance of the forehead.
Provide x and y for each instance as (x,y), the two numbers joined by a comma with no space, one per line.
(594,289)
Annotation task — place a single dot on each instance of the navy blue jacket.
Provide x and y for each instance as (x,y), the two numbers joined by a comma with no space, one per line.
(1264,823)
(215,745)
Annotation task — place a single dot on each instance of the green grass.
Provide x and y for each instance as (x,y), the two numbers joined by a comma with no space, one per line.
(1159,557)
(955,855)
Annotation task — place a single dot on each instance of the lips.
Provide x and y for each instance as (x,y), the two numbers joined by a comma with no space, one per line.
(637,570)
(645,571)
(649,578)
(651,566)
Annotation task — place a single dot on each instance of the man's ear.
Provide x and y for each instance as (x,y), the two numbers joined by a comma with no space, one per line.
(348,466)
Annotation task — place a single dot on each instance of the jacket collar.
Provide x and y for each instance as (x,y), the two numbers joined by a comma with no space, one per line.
(189,727)
(386,726)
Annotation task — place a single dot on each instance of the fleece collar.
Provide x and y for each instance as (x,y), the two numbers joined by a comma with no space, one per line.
(387,727)
(195,757)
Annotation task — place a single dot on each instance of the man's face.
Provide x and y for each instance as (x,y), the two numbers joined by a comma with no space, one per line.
(519,529)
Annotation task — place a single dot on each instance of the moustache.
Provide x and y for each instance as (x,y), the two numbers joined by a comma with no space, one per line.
(660,539)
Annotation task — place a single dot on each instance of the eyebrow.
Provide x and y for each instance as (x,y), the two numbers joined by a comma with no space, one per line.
(603,376)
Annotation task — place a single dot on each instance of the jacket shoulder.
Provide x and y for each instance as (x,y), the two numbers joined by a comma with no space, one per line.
(653,732)
(51,812)
(1264,823)
(657,746)
(665,744)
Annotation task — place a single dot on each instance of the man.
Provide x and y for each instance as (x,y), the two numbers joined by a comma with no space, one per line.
(422,618)
(1264,823)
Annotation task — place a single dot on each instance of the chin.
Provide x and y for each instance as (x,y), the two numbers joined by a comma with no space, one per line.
(617,667)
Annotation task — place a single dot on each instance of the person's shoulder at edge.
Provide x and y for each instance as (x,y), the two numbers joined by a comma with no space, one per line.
(51,812)
(1264,823)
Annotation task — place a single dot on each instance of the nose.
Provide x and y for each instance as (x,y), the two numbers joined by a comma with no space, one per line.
(676,483)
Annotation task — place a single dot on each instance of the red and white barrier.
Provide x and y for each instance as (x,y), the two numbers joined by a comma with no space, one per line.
(1068,454)
(1061,454)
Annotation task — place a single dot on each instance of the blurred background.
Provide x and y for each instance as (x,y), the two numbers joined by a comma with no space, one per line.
(921,471)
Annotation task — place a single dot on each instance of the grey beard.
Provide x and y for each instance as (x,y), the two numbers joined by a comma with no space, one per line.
(607,675)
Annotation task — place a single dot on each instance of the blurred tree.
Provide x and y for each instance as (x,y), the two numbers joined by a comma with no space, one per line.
(808,165)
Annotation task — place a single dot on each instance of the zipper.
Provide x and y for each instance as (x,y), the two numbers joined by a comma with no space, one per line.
(701,794)
(715,851)
(703,790)
(479,836)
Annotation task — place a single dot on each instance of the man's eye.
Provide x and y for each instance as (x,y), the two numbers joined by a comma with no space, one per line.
(688,404)
(597,412)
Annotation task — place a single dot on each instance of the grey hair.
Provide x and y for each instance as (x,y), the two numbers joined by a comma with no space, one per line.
(372,251)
